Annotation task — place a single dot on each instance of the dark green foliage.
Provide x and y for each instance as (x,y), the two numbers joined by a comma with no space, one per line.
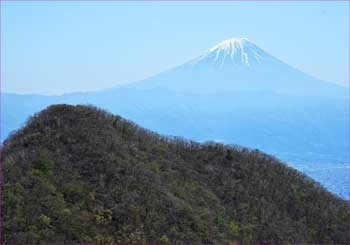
(76,174)
(42,163)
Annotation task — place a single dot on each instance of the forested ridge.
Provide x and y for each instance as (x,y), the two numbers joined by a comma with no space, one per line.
(77,174)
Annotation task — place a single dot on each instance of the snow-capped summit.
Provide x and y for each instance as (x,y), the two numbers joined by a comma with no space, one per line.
(234,51)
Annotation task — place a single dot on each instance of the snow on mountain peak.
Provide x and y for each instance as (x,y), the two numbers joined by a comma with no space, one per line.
(234,51)
(230,44)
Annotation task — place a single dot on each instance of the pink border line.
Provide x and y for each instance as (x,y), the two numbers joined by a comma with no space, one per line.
(1,146)
(174,1)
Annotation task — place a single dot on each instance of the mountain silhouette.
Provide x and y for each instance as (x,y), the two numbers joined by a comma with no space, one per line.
(76,174)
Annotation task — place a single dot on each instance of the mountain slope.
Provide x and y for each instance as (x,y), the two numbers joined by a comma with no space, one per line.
(240,65)
(309,133)
(76,174)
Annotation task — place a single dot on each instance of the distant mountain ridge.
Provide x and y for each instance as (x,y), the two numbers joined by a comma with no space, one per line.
(76,174)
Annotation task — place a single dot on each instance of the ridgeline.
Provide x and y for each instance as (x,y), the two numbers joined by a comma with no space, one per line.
(77,174)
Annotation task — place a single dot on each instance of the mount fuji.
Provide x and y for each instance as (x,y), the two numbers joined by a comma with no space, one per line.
(238,64)
(235,93)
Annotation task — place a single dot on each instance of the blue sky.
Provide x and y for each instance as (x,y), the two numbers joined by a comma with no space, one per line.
(59,47)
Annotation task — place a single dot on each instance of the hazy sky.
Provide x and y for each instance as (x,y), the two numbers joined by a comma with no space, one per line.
(57,47)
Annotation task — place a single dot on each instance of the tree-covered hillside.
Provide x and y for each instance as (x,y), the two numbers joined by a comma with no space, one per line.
(76,174)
